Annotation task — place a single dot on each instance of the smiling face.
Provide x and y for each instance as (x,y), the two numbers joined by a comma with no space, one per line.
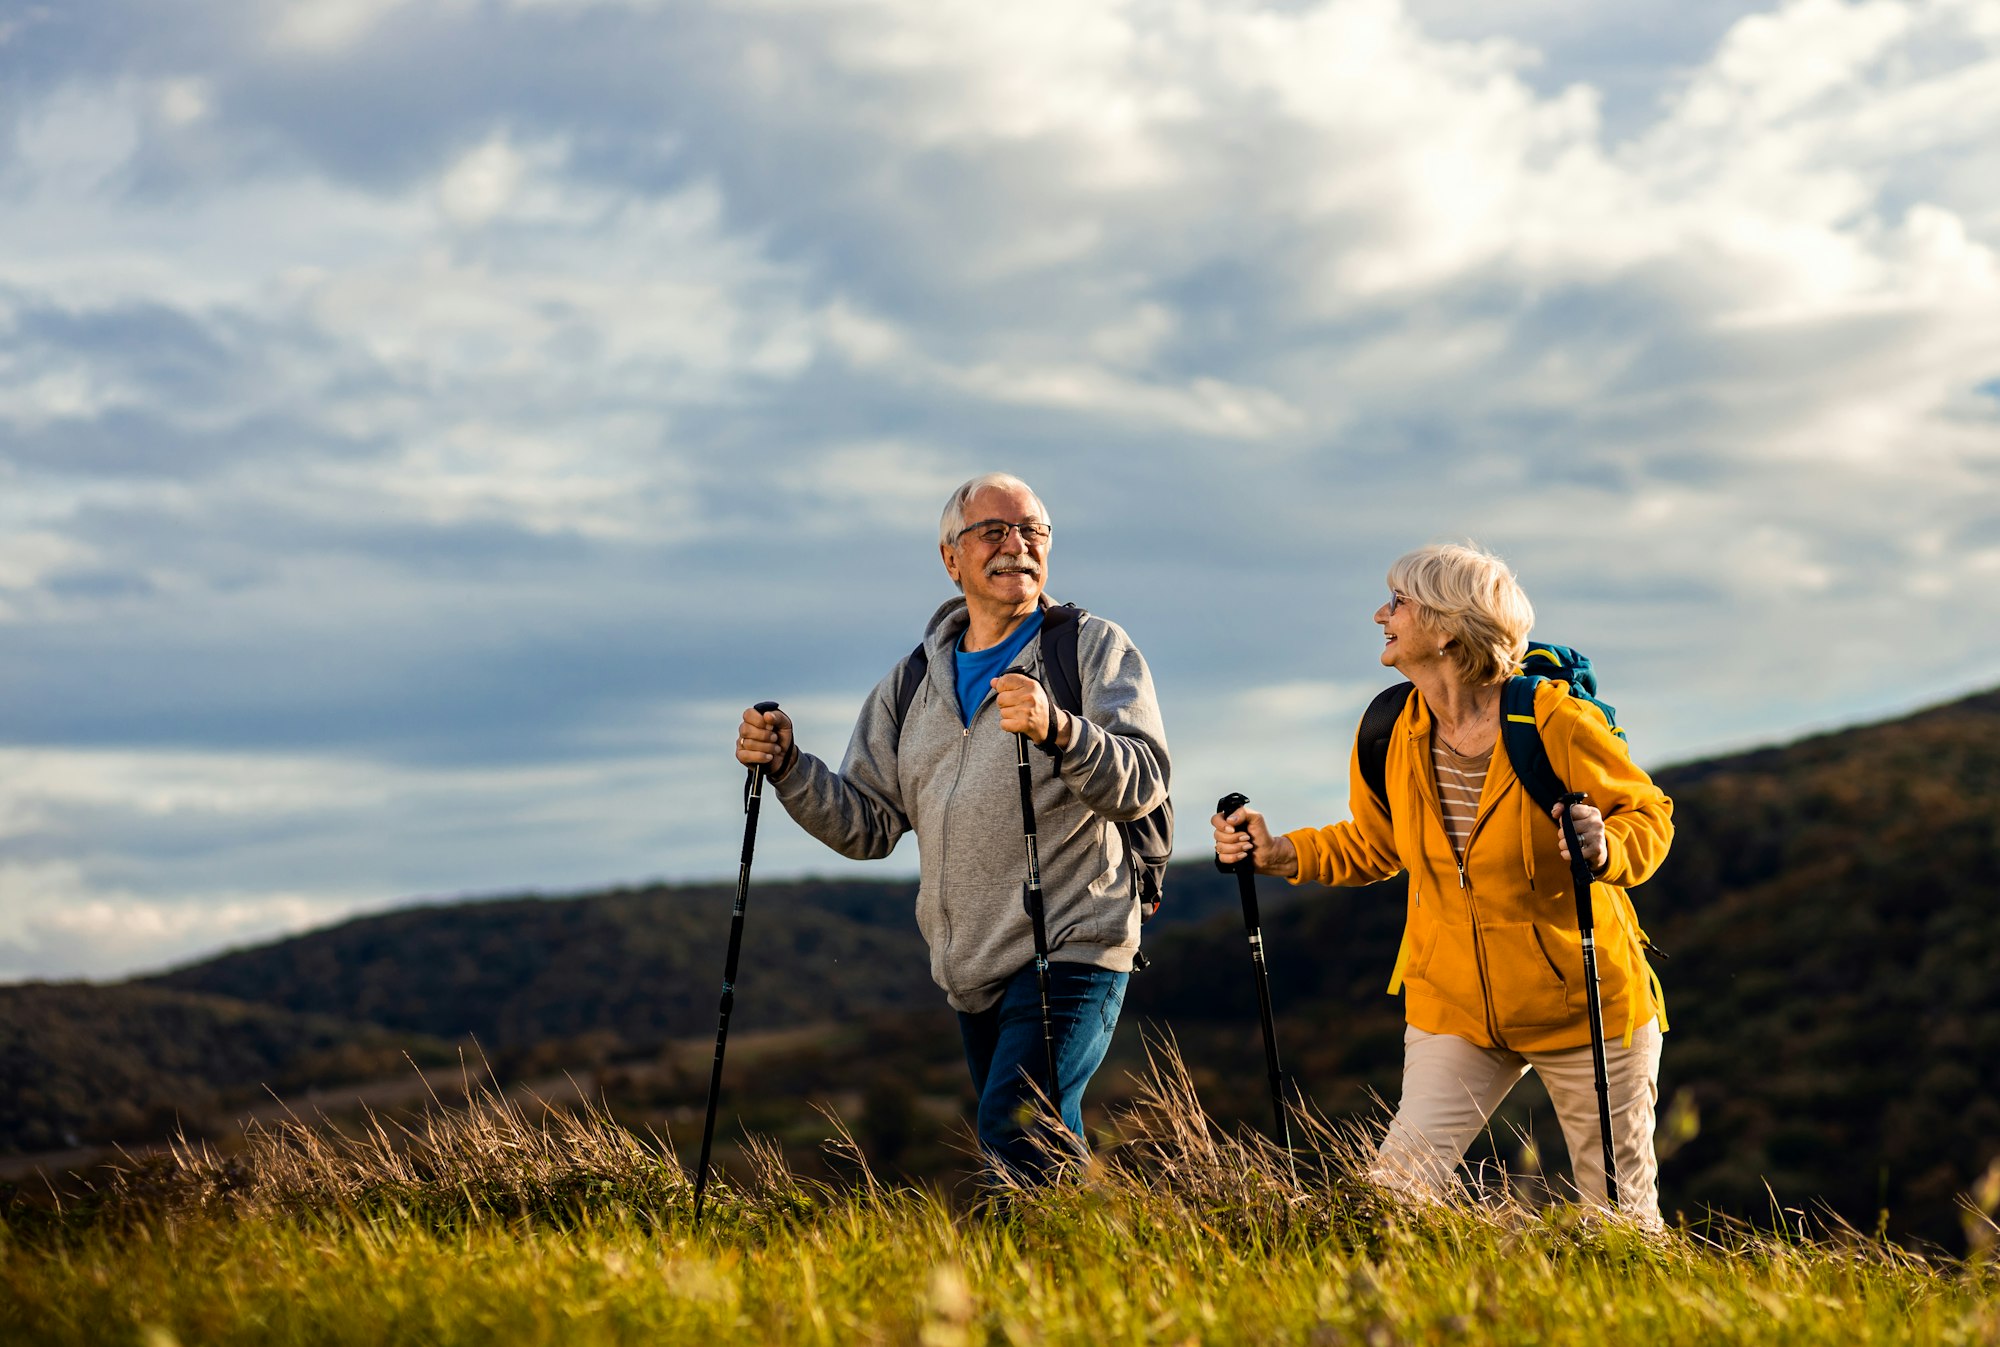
(1007,576)
(1407,641)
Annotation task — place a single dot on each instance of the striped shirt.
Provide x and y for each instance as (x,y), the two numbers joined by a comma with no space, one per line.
(1459,781)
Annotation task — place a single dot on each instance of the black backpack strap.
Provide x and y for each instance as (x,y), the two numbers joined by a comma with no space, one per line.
(1149,841)
(1059,663)
(1523,738)
(1378,723)
(914,669)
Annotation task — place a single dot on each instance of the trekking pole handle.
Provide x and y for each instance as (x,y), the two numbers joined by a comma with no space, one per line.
(753,784)
(1226,806)
(1579,864)
(1245,871)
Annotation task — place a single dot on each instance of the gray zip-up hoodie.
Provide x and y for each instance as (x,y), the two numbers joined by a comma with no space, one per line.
(958,789)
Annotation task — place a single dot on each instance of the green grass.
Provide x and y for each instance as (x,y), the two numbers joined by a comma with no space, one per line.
(486,1225)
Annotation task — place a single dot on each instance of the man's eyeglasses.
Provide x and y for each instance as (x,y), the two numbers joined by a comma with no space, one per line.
(993,532)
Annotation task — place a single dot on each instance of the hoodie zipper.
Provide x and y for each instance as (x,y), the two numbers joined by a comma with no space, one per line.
(944,849)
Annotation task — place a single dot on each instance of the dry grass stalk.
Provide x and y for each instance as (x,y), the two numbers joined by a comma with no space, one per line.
(489,1153)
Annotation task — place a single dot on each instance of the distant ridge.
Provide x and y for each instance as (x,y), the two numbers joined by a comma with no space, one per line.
(83,1064)
(638,964)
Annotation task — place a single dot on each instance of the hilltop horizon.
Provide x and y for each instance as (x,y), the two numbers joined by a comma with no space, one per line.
(1190,849)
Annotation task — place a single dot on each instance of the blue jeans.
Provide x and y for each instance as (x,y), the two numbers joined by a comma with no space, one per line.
(1005,1039)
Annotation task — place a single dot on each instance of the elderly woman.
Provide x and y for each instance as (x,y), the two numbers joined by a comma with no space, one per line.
(1491,961)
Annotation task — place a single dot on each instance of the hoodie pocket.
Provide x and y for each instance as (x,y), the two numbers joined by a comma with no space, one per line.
(1535,971)
(1444,964)
(988,938)
(1423,944)
(932,923)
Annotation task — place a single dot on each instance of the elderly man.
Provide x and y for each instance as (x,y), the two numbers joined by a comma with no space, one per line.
(939,758)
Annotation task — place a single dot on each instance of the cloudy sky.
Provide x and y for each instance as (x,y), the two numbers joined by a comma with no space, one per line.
(424,426)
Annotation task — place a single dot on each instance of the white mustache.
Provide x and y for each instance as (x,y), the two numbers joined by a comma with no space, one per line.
(998,566)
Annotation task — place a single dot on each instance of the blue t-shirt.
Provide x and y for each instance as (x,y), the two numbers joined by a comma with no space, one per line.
(978,668)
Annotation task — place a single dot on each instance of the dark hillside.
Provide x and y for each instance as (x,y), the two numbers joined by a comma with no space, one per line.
(638,965)
(543,985)
(1831,910)
(81,1064)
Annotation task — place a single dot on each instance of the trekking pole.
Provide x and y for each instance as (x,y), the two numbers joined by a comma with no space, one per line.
(1031,896)
(1253,926)
(1579,872)
(753,792)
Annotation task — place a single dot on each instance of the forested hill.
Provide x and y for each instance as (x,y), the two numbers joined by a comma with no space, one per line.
(639,965)
(85,1065)
(1833,912)
(1831,909)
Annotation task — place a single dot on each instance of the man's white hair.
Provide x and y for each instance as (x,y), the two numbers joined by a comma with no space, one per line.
(952,523)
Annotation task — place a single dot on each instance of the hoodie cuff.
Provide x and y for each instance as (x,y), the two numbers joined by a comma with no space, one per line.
(795,783)
(1082,745)
(1305,842)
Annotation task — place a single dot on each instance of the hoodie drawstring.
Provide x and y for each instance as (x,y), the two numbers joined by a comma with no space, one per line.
(1528,843)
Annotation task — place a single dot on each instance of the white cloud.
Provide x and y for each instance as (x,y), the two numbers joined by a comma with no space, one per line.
(76,139)
(481,183)
(881,483)
(323,28)
(1203,406)
(114,856)
(183,102)
(51,918)
(1282,744)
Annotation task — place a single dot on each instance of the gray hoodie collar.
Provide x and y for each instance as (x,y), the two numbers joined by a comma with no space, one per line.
(951,619)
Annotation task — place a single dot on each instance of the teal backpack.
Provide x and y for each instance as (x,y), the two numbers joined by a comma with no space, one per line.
(1517,722)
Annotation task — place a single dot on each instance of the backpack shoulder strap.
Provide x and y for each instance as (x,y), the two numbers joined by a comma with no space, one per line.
(1059,661)
(914,669)
(1523,738)
(1149,841)
(1378,722)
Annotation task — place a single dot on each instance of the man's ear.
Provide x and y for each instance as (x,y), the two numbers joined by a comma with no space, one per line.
(950,565)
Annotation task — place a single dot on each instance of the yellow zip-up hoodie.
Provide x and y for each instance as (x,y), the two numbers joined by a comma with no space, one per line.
(1491,953)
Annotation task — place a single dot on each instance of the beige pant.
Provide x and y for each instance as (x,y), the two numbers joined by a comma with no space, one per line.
(1451,1087)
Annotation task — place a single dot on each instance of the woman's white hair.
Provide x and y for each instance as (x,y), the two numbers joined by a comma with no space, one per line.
(952,523)
(1471,597)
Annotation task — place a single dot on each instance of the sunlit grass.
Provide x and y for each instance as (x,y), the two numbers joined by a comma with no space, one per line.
(486,1223)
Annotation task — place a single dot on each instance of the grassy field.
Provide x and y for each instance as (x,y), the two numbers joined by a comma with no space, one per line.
(488,1224)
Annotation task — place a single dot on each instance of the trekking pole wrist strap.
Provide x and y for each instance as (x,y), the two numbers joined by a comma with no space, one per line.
(783,767)
(1053,744)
